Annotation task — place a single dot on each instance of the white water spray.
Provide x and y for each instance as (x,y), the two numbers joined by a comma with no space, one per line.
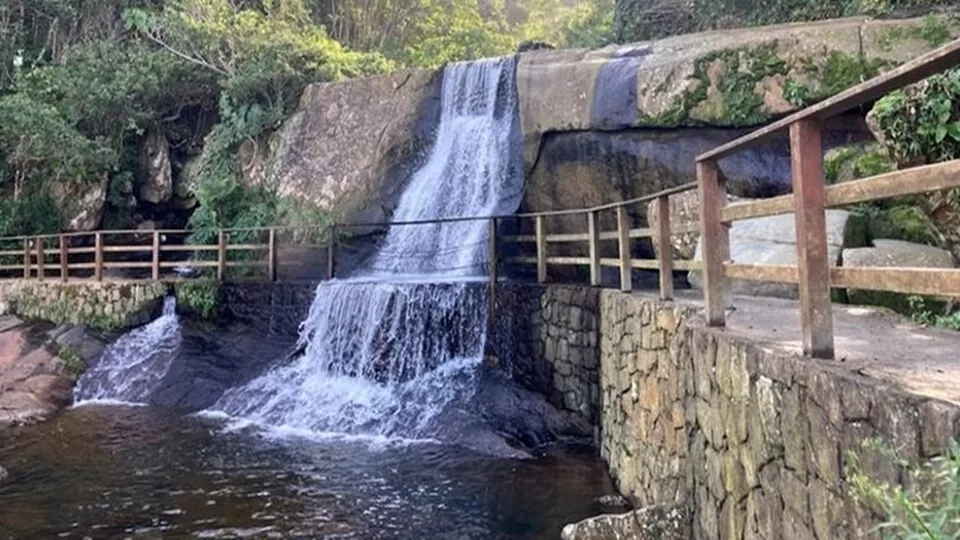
(388,351)
(131,368)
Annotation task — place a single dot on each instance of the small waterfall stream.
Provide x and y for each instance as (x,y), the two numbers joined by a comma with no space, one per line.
(384,352)
(132,367)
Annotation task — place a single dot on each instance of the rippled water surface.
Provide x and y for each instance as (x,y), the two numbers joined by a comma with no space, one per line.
(103,471)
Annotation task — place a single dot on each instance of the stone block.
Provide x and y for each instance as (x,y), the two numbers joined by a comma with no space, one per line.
(793,491)
(823,448)
(795,427)
(937,427)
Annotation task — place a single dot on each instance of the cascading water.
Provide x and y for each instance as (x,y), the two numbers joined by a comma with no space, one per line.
(384,352)
(131,368)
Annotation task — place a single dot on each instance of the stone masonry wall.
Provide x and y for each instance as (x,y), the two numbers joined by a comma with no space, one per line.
(548,337)
(756,442)
(105,305)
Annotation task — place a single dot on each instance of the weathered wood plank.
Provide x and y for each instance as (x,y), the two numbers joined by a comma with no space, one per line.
(773,206)
(569,261)
(928,281)
(645,264)
(897,183)
(623,228)
(155,268)
(915,70)
(594,233)
(762,272)
(816,316)
(688,265)
(40,262)
(98,257)
(541,250)
(521,260)
(64,260)
(575,237)
(716,241)
(221,255)
(666,249)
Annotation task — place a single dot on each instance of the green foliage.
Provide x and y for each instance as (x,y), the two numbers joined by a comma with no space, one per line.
(638,20)
(73,363)
(929,313)
(201,297)
(921,123)
(935,31)
(35,213)
(927,507)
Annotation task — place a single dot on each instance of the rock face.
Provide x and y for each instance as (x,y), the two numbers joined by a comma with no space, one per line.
(773,240)
(723,78)
(349,146)
(34,381)
(156,185)
(80,204)
(654,523)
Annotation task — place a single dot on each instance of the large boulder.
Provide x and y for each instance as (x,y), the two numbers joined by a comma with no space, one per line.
(892,254)
(80,204)
(37,368)
(773,241)
(349,146)
(156,180)
(653,523)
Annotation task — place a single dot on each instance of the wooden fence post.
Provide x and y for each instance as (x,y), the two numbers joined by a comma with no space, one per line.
(40,268)
(155,267)
(98,257)
(64,262)
(332,253)
(594,233)
(541,250)
(715,238)
(26,258)
(813,266)
(666,248)
(272,255)
(626,257)
(221,254)
(494,268)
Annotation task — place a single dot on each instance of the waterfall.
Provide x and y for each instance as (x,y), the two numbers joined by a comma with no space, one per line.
(131,368)
(389,350)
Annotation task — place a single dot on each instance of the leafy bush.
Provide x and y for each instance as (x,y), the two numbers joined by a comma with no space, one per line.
(927,509)
(921,123)
(201,297)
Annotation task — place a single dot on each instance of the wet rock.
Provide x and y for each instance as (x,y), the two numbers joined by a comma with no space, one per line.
(653,523)
(156,184)
(185,185)
(4,475)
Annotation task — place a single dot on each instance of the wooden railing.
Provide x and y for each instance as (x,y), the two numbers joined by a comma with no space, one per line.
(155,254)
(813,273)
(594,236)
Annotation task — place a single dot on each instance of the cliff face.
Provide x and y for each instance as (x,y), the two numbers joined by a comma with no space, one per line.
(600,125)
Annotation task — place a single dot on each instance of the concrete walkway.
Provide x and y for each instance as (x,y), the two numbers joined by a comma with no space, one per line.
(873,342)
